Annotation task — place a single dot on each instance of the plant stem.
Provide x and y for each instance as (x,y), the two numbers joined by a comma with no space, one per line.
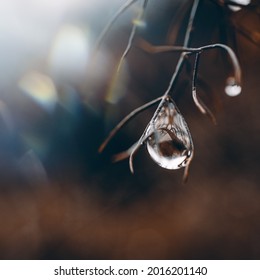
(185,45)
(125,120)
(124,7)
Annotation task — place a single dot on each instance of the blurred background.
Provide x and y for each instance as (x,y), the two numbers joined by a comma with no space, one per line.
(59,198)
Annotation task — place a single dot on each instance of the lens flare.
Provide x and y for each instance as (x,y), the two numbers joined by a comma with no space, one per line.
(69,54)
(40,88)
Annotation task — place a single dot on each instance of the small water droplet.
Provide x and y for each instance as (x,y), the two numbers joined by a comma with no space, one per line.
(237,8)
(233,89)
(169,141)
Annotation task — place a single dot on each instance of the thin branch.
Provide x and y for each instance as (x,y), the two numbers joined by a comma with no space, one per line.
(191,51)
(121,10)
(125,120)
(131,37)
(188,51)
(185,45)
(147,47)
(131,157)
(134,151)
(234,60)
(200,105)
(193,85)
(125,154)
(187,169)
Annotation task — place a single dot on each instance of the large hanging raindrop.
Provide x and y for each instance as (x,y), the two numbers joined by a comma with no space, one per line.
(169,141)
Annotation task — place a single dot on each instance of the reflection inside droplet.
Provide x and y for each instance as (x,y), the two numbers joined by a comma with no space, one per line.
(169,141)
(168,154)
(233,90)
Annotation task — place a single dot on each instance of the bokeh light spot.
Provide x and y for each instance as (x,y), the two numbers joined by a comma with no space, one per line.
(40,88)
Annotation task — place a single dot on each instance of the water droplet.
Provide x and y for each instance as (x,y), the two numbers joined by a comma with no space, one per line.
(169,141)
(233,89)
(237,8)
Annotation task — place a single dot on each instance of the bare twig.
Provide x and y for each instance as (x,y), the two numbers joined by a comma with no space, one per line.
(125,120)
(190,51)
(146,46)
(131,37)
(200,105)
(125,154)
(187,168)
(185,45)
(124,7)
